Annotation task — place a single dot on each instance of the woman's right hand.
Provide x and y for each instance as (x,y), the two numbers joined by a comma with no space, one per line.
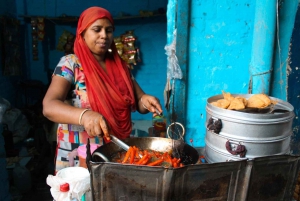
(57,110)
(95,124)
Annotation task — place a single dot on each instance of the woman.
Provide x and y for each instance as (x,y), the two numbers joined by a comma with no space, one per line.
(103,91)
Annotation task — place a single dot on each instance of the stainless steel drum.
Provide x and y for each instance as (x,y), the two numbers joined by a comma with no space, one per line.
(257,134)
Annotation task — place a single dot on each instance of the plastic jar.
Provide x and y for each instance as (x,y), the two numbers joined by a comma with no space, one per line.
(82,153)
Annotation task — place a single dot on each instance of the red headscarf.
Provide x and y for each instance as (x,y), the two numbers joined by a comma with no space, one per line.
(111,94)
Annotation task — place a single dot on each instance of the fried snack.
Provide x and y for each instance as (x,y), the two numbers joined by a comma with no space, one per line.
(237,104)
(227,96)
(274,102)
(259,101)
(216,104)
(222,103)
(244,100)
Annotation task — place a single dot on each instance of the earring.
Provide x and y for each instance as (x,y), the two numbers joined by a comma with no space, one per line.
(109,50)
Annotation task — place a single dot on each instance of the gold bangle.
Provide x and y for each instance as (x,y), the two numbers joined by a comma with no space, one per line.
(80,117)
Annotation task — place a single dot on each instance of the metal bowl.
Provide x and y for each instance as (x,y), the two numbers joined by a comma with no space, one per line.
(178,148)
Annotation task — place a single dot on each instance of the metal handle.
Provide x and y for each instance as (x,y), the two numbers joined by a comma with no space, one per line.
(101,156)
(118,142)
(179,134)
(214,125)
(239,149)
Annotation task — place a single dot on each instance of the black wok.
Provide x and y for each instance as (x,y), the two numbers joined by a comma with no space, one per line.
(177,148)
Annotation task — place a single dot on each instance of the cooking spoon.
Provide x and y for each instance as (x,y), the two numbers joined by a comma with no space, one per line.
(118,142)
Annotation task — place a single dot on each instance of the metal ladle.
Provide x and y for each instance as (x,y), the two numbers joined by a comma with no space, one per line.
(118,142)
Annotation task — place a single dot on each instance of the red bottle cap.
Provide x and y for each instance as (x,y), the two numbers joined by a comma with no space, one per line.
(64,187)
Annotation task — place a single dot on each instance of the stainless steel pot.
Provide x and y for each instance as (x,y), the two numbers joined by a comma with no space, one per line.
(178,148)
(259,134)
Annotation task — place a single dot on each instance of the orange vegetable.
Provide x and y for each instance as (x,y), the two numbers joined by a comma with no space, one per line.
(157,154)
(175,165)
(144,162)
(169,159)
(132,155)
(142,159)
(145,152)
(127,155)
(157,162)
(147,157)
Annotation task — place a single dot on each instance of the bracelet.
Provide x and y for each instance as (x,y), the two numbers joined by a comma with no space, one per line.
(143,104)
(80,117)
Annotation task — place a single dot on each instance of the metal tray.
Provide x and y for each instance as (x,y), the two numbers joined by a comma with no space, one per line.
(268,178)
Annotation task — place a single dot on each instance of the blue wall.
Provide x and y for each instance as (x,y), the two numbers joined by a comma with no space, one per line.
(219,54)
(150,33)
(219,45)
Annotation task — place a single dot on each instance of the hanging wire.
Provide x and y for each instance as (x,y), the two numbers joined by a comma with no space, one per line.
(278,4)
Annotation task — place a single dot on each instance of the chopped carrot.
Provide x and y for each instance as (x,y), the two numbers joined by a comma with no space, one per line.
(157,154)
(147,157)
(142,159)
(175,164)
(169,159)
(157,162)
(132,155)
(127,155)
(144,162)
(145,152)
(136,160)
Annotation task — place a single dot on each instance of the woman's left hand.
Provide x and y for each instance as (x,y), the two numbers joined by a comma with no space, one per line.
(151,103)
